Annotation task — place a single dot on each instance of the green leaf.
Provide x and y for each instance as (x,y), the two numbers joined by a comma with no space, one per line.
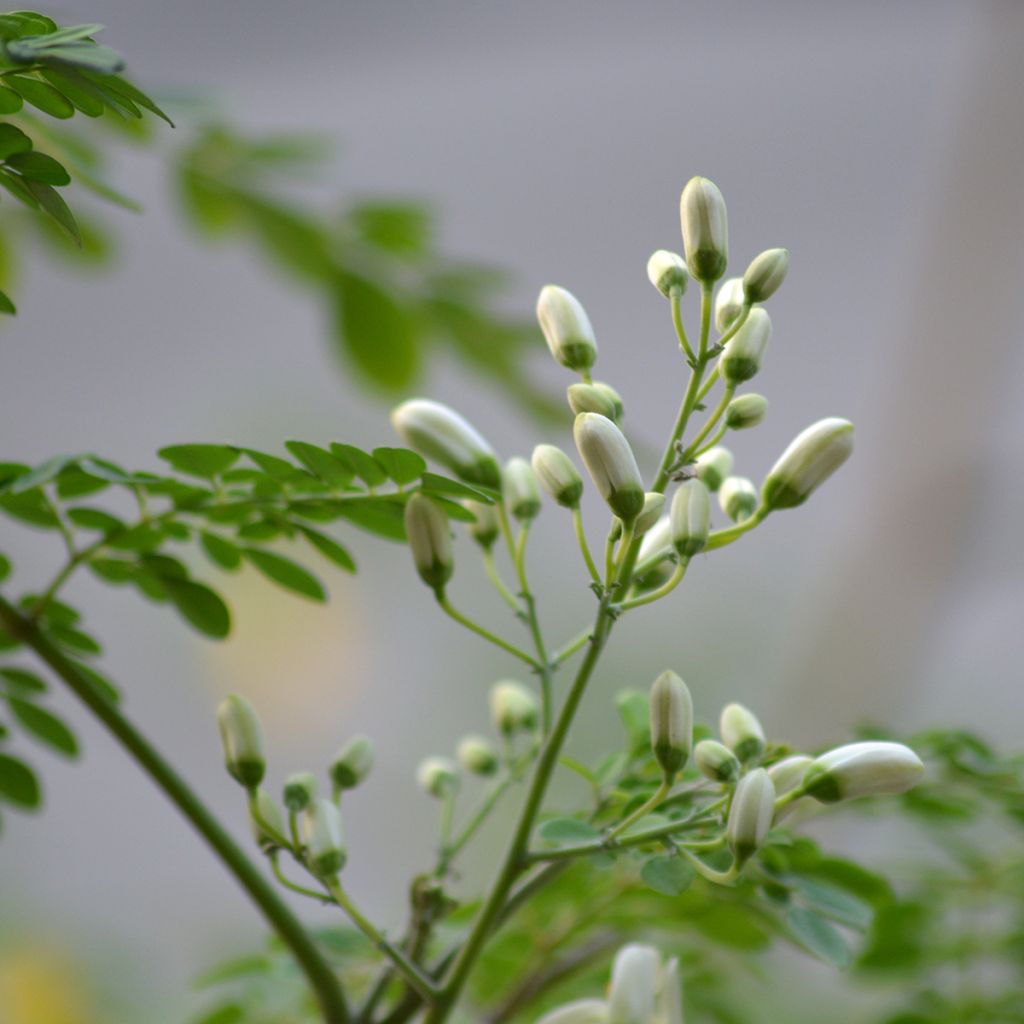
(42,474)
(831,901)
(10,101)
(220,550)
(568,831)
(18,784)
(75,640)
(18,187)
(94,519)
(363,465)
(30,508)
(227,1013)
(321,463)
(231,970)
(85,97)
(75,482)
(455,511)
(6,305)
(39,167)
(22,681)
(434,484)
(201,607)
(402,465)
(403,228)
(49,199)
(668,875)
(205,460)
(113,570)
(634,710)
(5,567)
(44,726)
(329,547)
(41,95)
(818,937)
(100,683)
(286,573)
(132,93)
(382,516)
(13,140)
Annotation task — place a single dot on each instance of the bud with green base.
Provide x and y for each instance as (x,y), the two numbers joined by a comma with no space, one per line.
(667,272)
(862,769)
(323,839)
(477,756)
(299,791)
(705,229)
(522,495)
(654,502)
(765,274)
(557,475)
(566,328)
(730,302)
(266,820)
(742,357)
(807,463)
(352,763)
(671,723)
(716,761)
(513,708)
(426,527)
(714,466)
(750,816)
(612,466)
(741,732)
(745,411)
(437,776)
(595,397)
(241,736)
(486,526)
(738,498)
(690,518)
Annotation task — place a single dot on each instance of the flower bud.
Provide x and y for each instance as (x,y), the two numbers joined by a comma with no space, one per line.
(765,274)
(611,464)
(579,1011)
(598,398)
(440,433)
(807,463)
(729,303)
(714,466)
(486,526)
(750,817)
(618,409)
(632,998)
(522,495)
(566,328)
(270,815)
(743,354)
(690,518)
(352,763)
(741,732)
(476,755)
(426,526)
(671,723)
(716,761)
(705,229)
(653,504)
(738,498)
(299,791)
(745,411)
(557,475)
(437,776)
(655,547)
(862,769)
(241,736)
(666,270)
(323,839)
(513,708)
(788,773)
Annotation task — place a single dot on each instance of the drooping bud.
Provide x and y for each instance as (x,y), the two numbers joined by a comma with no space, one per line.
(729,303)
(716,761)
(667,270)
(690,518)
(743,354)
(714,466)
(270,816)
(426,526)
(323,839)
(522,494)
(765,274)
(671,722)
(440,433)
(241,736)
(738,498)
(653,504)
(299,791)
(437,776)
(611,464)
(632,998)
(705,229)
(750,817)
(566,328)
(352,763)
(741,732)
(557,475)
(807,463)
(745,411)
(513,708)
(862,769)
(485,527)
(476,755)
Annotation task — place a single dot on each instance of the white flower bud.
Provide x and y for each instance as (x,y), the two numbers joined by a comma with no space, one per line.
(670,998)
(426,526)
(765,274)
(666,270)
(716,761)
(522,495)
(807,463)
(513,708)
(729,303)
(440,433)
(705,229)
(714,466)
(269,814)
(653,504)
(635,984)
(690,518)
(476,755)
(299,791)
(788,773)
(580,1011)
(618,409)
(743,354)
(323,838)
(750,817)
(611,464)
(741,732)
(352,763)
(437,776)
(557,475)
(241,736)
(862,769)
(566,328)
(738,498)
(671,723)
(486,526)
(655,547)
(745,411)
(595,397)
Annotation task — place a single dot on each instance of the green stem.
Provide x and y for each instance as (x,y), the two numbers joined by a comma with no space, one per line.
(712,441)
(716,415)
(718,877)
(279,874)
(581,539)
(675,298)
(664,590)
(480,631)
(645,808)
(571,647)
(452,850)
(721,538)
(499,584)
(543,663)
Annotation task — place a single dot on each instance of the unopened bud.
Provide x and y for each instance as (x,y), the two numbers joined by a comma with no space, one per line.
(595,397)
(352,763)
(745,411)
(750,817)
(765,274)
(299,791)
(705,229)
(653,504)
(437,776)
(862,769)
(270,823)
(655,547)
(667,270)
(789,773)
(441,434)
(513,708)
(476,755)
(741,732)
(690,518)
(743,354)
(716,761)
(611,464)
(486,526)
(566,328)
(714,466)
(636,980)
(241,736)
(426,526)
(671,722)
(522,494)
(738,498)
(557,475)
(807,463)
(323,839)
(729,303)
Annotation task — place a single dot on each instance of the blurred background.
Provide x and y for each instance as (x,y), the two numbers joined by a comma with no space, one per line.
(882,144)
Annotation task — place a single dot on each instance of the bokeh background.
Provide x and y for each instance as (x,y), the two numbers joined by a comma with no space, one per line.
(883,144)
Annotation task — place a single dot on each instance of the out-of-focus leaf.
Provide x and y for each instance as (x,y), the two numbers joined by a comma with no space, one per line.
(39,167)
(384,517)
(359,462)
(434,484)
(286,573)
(668,875)
(18,783)
(819,937)
(220,550)
(49,199)
(568,831)
(402,465)
(330,548)
(200,606)
(41,95)
(21,681)
(204,460)
(320,462)
(44,726)
(13,140)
